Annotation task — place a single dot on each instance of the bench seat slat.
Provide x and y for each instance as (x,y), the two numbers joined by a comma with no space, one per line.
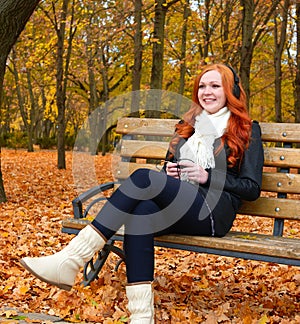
(242,242)
(233,241)
(75,223)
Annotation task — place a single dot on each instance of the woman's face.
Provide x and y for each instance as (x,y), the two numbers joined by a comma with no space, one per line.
(211,93)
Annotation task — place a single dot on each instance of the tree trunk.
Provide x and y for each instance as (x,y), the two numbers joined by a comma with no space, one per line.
(93,98)
(60,98)
(28,116)
(61,81)
(92,106)
(138,46)
(104,73)
(251,37)
(186,14)
(2,191)
(161,8)
(158,44)
(225,34)
(14,15)
(206,31)
(247,46)
(32,114)
(297,77)
(138,56)
(279,42)
(20,96)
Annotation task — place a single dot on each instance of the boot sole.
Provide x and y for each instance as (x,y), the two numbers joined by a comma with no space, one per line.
(61,286)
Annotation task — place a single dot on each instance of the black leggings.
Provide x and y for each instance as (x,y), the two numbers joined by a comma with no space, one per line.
(150,204)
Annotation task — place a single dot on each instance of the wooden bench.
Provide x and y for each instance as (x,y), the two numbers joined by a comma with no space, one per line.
(144,144)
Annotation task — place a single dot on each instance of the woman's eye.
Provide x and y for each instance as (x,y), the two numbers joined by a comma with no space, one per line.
(214,86)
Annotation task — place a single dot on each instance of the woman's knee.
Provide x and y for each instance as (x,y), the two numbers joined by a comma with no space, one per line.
(140,172)
(140,177)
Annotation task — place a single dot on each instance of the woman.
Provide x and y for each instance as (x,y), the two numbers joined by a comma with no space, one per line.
(214,161)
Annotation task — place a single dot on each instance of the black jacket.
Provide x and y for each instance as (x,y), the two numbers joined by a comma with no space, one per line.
(227,187)
(244,182)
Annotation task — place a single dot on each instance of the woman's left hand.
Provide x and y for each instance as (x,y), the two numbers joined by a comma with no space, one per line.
(194,172)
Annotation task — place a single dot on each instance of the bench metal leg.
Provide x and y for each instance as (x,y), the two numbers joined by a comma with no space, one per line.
(92,268)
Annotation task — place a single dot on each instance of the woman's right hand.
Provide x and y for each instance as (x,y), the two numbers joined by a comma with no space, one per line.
(172,170)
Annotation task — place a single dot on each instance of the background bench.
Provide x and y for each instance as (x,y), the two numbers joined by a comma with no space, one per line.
(144,144)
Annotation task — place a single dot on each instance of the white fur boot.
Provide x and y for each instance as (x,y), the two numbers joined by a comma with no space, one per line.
(140,303)
(60,269)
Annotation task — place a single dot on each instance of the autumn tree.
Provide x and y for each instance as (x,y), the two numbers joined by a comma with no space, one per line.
(280,30)
(138,55)
(254,26)
(138,46)
(161,9)
(28,115)
(62,69)
(230,32)
(104,39)
(208,28)
(62,17)
(123,46)
(297,77)
(14,15)
(186,15)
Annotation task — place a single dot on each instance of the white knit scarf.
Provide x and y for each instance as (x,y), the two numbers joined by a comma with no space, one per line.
(199,147)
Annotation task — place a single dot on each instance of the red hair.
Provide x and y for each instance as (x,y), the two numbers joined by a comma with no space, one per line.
(238,132)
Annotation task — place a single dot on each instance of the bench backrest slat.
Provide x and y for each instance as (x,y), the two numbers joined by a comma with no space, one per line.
(280,132)
(281,182)
(272,207)
(274,156)
(282,157)
(146,126)
(272,182)
(144,149)
(271,132)
(124,169)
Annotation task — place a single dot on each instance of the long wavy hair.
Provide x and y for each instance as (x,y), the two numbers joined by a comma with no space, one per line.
(238,132)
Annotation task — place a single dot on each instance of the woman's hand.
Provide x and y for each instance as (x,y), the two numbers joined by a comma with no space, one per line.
(173,170)
(193,171)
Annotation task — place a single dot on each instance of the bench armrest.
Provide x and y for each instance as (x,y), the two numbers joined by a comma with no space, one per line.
(78,201)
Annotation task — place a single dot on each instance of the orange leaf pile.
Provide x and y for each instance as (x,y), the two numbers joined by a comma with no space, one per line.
(189,287)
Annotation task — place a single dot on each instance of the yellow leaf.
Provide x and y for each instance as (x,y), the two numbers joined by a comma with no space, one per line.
(247,237)
(10,313)
(203,284)
(6,288)
(264,320)
(23,290)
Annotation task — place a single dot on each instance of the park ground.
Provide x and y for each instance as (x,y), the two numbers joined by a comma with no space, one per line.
(189,287)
